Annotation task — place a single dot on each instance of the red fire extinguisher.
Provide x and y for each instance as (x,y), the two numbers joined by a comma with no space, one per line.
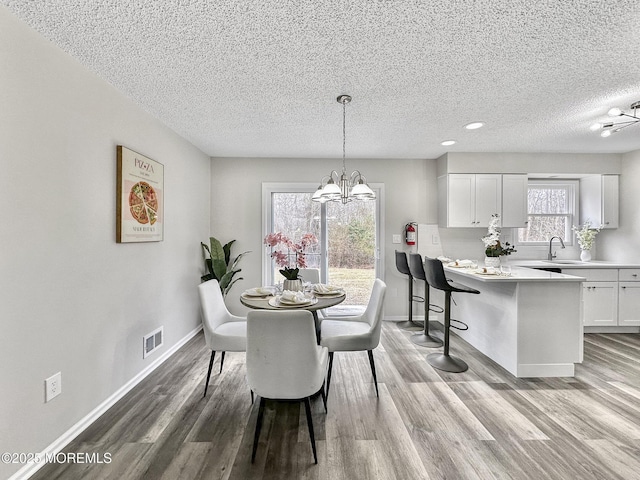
(410,233)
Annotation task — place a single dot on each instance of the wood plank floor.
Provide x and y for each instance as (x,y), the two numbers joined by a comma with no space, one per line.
(427,424)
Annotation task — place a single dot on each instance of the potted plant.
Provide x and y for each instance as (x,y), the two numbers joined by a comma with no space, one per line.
(290,256)
(218,264)
(493,248)
(586,235)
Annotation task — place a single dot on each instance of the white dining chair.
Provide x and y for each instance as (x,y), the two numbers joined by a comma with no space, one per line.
(362,332)
(223,331)
(312,275)
(284,362)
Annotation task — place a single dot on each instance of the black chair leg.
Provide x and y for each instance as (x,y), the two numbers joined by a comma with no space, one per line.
(373,370)
(329,373)
(258,427)
(307,407)
(222,361)
(324,398)
(206,385)
(251,397)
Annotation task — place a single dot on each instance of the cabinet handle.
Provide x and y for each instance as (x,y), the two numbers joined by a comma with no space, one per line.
(623,287)
(634,274)
(606,223)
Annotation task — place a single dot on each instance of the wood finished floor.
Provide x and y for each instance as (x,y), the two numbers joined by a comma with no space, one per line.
(427,424)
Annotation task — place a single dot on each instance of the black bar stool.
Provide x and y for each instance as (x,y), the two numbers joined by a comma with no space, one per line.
(423,339)
(436,279)
(403,267)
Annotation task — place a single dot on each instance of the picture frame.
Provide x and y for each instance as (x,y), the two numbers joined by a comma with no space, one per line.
(139,198)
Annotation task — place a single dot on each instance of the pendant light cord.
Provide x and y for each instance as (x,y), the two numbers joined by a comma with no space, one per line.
(344,136)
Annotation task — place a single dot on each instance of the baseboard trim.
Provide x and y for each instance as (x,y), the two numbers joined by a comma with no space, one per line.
(66,438)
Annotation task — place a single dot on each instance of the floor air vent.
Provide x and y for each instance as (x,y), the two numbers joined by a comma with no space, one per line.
(151,342)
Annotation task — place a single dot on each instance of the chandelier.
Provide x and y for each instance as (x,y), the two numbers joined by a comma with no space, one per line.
(613,127)
(343,188)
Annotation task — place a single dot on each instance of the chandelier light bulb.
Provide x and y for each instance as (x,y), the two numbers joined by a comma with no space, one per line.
(596,126)
(606,133)
(614,112)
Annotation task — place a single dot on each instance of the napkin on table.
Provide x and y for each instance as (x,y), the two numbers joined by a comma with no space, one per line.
(293,297)
(260,291)
(321,288)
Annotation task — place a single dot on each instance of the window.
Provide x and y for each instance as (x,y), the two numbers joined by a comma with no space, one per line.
(551,210)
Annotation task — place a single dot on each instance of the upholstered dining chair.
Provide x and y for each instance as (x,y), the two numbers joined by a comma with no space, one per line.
(284,362)
(223,331)
(362,332)
(312,275)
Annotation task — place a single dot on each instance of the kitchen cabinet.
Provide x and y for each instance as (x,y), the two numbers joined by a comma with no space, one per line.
(514,200)
(599,200)
(611,297)
(629,297)
(468,200)
(600,304)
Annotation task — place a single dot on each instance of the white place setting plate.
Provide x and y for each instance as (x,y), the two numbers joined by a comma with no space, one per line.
(260,292)
(280,303)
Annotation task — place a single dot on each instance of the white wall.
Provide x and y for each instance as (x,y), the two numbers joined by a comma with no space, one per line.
(71,299)
(410,196)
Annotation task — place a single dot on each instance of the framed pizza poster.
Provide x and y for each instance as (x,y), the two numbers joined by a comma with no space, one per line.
(140,196)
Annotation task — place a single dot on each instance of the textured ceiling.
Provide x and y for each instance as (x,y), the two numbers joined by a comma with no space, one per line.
(260,78)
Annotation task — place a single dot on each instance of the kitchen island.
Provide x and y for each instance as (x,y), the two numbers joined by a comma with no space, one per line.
(530,322)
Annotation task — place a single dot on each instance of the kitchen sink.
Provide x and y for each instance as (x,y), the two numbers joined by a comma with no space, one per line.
(565,262)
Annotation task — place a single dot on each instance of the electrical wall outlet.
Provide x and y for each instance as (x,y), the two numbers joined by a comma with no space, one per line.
(52,387)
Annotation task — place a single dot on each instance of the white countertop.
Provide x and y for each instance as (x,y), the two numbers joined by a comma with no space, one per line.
(518,274)
(570,264)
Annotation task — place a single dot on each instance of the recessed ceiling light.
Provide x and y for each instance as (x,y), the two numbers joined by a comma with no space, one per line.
(446,143)
(474,125)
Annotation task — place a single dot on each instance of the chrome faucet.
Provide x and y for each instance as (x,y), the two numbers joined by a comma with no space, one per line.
(551,256)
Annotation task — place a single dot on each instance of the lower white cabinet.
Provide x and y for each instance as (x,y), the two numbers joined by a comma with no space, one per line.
(611,297)
(629,304)
(600,304)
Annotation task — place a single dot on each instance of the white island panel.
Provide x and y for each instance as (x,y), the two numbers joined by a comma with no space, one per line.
(529,323)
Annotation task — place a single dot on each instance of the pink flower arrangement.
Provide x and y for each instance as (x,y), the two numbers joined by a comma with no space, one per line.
(296,250)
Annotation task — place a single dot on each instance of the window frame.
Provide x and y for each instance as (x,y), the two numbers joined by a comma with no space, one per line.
(572,185)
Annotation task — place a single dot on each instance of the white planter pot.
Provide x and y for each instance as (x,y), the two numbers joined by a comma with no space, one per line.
(492,261)
(585,255)
(292,285)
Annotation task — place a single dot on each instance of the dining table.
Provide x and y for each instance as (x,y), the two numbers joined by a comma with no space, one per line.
(272,302)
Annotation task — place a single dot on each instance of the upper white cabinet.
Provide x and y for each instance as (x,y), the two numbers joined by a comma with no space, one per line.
(599,197)
(514,200)
(468,200)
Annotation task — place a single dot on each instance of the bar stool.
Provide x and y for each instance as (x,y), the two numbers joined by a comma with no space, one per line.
(436,279)
(423,339)
(403,267)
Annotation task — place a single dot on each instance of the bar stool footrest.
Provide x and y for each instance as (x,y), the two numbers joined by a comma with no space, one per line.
(418,299)
(463,327)
(435,308)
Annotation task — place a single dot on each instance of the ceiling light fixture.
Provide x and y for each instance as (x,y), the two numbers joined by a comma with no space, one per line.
(446,143)
(343,188)
(613,127)
(473,125)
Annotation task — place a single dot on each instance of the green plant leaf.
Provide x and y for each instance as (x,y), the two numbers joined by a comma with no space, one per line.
(235,262)
(219,268)
(227,251)
(217,252)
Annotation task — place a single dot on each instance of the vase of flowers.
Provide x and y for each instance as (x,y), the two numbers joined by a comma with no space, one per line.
(586,235)
(290,256)
(493,249)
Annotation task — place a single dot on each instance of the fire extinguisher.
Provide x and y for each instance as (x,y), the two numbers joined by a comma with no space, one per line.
(410,233)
